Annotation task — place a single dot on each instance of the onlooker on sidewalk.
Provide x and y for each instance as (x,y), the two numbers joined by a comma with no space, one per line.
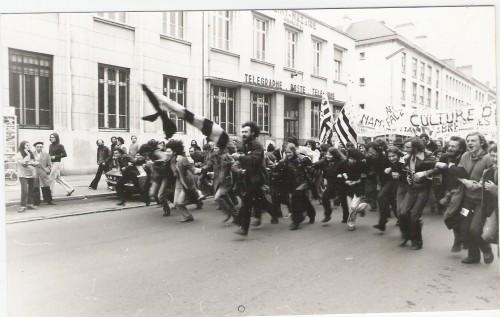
(57,152)
(43,175)
(26,168)
(103,160)
(113,143)
(120,143)
(134,147)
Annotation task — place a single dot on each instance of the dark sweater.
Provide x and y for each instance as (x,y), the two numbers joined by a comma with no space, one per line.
(58,151)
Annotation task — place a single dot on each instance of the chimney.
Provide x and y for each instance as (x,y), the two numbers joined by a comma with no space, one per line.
(466,69)
(407,30)
(450,62)
(421,41)
(346,22)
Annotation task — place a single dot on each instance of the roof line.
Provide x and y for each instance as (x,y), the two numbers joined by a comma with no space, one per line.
(324,24)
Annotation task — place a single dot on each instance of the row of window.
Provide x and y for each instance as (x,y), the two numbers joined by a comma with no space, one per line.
(221,37)
(30,76)
(452,101)
(423,94)
(425,70)
(461,88)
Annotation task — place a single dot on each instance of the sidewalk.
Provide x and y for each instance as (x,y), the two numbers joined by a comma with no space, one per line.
(79,182)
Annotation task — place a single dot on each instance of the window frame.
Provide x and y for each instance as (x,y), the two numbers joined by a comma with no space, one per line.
(315,118)
(403,63)
(106,114)
(317,55)
(228,103)
(414,66)
(403,89)
(338,71)
(166,79)
(259,48)
(259,108)
(172,28)
(36,70)
(222,23)
(292,40)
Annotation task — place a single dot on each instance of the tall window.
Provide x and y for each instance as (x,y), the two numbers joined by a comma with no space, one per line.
(173,24)
(429,74)
(421,95)
(414,93)
(221,29)
(337,59)
(113,16)
(291,48)
(403,89)
(175,89)
(437,78)
(261,105)
(316,56)
(403,62)
(315,117)
(414,67)
(223,107)
(428,97)
(260,28)
(30,88)
(422,71)
(437,99)
(113,97)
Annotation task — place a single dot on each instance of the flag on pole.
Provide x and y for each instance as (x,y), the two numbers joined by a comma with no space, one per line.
(326,120)
(344,129)
(163,105)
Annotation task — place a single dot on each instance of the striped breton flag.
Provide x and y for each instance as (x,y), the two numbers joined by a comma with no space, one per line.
(344,129)
(326,121)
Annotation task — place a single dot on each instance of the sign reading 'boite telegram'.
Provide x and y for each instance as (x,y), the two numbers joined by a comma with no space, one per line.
(278,84)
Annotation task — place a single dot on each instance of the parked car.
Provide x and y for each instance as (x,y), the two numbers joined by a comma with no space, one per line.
(114,175)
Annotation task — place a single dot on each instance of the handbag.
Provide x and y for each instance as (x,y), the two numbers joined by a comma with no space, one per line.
(490,229)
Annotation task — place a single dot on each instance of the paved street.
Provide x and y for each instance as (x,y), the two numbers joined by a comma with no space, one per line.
(135,262)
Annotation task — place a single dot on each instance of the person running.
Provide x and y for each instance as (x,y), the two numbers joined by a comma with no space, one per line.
(252,164)
(57,153)
(419,165)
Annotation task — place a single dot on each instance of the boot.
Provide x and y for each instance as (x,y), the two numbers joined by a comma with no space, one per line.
(166,210)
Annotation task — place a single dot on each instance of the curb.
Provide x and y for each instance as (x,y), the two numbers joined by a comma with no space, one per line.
(63,198)
(109,209)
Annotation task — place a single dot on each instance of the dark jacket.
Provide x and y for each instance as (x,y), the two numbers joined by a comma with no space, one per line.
(253,163)
(56,149)
(103,155)
(350,172)
(295,173)
(425,161)
(330,169)
(376,169)
(489,200)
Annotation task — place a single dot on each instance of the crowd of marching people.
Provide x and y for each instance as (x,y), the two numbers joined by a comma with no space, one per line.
(457,179)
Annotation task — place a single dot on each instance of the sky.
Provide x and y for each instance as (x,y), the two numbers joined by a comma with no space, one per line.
(466,34)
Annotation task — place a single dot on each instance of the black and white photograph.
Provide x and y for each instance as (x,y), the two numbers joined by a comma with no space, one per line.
(252,159)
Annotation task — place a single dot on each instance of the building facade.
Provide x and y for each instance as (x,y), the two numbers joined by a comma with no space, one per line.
(391,70)
(79,74)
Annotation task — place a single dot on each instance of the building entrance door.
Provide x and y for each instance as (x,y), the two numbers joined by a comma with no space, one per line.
(291,117)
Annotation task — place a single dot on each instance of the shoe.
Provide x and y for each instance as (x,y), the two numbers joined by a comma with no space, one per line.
(457,247)
(92,188)
(294,226)
(488,257)
(416,246)
(22,209)
(344,220)
(166,211)
(32,207)
(326,219)
(70,192)
(469,260)
(227,218)
(187,219)
(242,232)
(380,227)
(311,220)
(274,221)
(256,223)
(403,244)
(121,203)
(51,203)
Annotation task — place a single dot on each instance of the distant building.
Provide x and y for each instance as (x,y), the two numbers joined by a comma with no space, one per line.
(393,70)
(79,73)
